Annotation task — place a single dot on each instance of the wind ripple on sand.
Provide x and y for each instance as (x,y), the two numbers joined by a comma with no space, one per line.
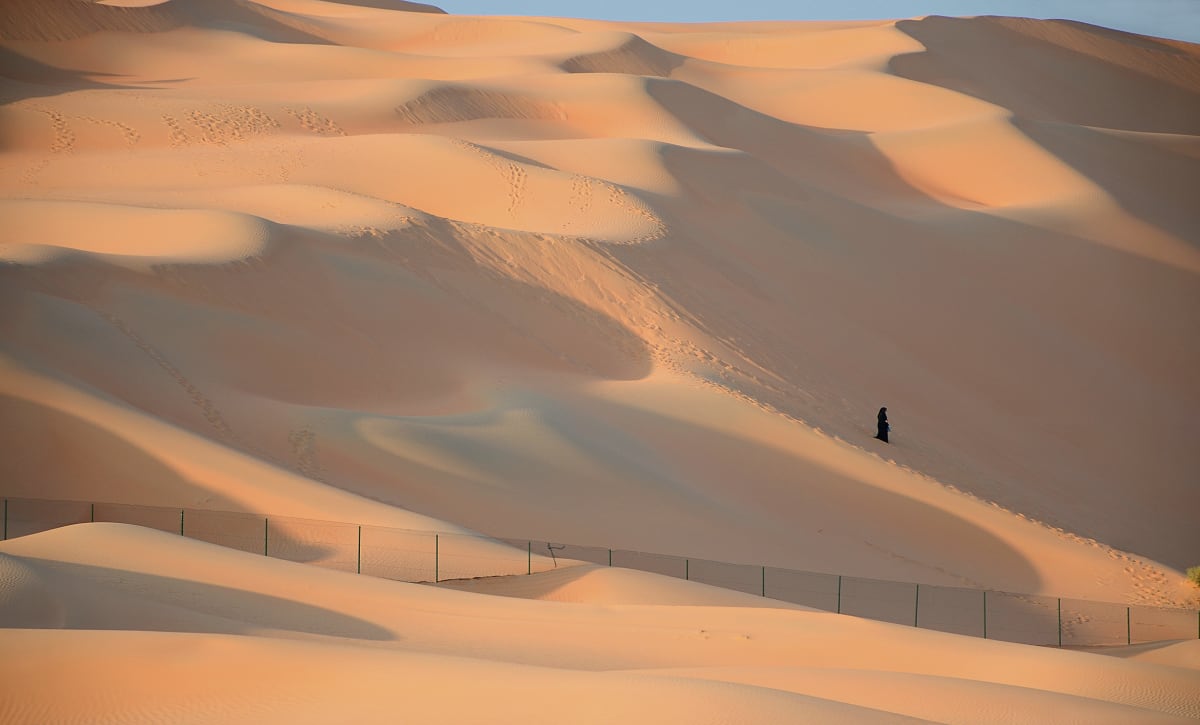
(451,103)
(629,54)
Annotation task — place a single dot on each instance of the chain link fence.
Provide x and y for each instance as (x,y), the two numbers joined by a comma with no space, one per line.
(425,556)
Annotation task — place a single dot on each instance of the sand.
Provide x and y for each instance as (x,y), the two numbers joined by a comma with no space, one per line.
(640,286)
(239,637)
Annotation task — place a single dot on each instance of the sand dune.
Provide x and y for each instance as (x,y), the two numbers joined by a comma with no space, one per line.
(689,661)
(631,285)
(592,584)
(171,236)
(1102,77)
(1184,654)
(346,682)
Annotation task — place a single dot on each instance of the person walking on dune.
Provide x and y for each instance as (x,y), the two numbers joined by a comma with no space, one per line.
(883,427)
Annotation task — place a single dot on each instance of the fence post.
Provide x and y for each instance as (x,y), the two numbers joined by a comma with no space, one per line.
(181,522)
(1128,628)
(436,557)
(266,540)
(764,581)
(93,514)
(359,550)
(917,606)
(1060,621)
(839,602)
(687,566)
(6,519)
(985,614)
(528,557)
(610,557)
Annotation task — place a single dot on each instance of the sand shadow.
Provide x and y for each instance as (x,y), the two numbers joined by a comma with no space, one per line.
(631,470)
(1066,96)
(1114,161)
(25,77)
(786,482)
(167,604)
(51,453)
(821,231)
(1012,63)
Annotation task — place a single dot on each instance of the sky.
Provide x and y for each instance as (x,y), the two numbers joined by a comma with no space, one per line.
(1179,19)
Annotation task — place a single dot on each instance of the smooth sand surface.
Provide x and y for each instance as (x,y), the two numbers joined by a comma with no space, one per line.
(596,584)
(242,637)
(1176,654)
(640,286)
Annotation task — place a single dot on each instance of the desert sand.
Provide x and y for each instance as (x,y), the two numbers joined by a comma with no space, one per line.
(614,284)
(124,623)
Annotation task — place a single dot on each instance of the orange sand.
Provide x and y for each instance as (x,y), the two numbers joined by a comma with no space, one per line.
(640,286)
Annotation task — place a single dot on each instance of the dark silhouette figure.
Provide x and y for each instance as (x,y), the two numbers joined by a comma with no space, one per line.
(883,426)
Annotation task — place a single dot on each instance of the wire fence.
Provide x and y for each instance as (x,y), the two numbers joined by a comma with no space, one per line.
(425,556)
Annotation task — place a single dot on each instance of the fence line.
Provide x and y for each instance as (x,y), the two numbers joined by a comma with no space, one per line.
(427,556)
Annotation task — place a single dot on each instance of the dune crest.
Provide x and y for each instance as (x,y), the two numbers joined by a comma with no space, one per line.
(629,55)
(47,230)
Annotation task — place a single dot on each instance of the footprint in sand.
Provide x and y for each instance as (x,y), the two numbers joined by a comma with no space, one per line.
(580,198)
(310,120)
(210,412)
(512,173)
(178,136)
(128,133)
(303,443)
(64,141)
(621,199)
(227,124)
(64,137)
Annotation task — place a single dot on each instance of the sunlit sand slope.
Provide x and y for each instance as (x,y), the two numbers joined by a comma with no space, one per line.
(631,285)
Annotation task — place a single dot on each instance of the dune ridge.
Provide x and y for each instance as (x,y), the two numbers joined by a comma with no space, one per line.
(639,284)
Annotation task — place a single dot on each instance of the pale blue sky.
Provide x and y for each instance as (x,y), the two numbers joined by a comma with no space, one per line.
(1165,18)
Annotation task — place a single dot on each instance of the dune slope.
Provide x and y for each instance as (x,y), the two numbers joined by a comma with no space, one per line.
(415,270)
(321,644)
(640,286)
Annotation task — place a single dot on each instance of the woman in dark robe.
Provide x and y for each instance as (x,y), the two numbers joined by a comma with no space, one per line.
(883,426)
